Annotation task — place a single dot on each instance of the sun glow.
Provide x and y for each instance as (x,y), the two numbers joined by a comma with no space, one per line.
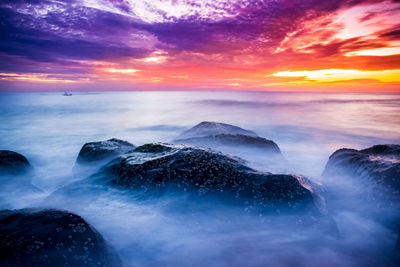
(337,75)
(126,71)
(37,77)
(384,51)
(157,59)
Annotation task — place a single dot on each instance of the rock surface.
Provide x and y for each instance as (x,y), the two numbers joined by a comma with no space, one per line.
(205,172)
(246,141)
(103,150)
(207,128)
(379,164)
(48,237)
(236,141)
(153,148)
(13,163)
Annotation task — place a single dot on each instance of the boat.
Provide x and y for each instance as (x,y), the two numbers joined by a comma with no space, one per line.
(67,94)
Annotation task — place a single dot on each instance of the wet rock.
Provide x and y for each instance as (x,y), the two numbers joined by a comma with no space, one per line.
(207,128)
(254,142)
(13,163)
(95,154)
(379,164)
(48,237)
(236,141)
(181,168)
(388,150)
(153,148)
(16,175)
(103,150)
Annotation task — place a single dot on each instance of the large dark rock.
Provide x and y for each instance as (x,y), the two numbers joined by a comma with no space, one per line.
(181,168)
(379,164)
(103,150)
(48,237)
(207,128)
(13,163)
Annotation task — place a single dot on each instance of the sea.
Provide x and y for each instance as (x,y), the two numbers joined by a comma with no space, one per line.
(50,129)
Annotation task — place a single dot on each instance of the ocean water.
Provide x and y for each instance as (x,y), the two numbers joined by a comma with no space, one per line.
(49,129)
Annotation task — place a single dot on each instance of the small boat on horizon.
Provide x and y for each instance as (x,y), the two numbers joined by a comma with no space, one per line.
(67,94)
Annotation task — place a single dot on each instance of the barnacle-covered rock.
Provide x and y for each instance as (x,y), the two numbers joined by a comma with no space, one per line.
(153,148)
(206,172)
(48,237)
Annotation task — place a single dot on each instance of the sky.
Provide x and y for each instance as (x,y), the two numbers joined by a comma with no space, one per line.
(271,45)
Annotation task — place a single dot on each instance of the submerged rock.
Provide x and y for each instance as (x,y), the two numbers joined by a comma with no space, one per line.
(13,163)
(16,175)
(365,182)
(207,128)
(179,168)
(49,237)
(103,150)
(379,164)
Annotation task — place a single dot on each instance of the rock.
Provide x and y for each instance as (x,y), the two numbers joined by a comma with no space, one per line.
(205,172)
(238,142)
(49,237)
(379,164)
(153,148)
(16,175)
(13,163)
(388,150)
(254,142)
(94,154)
(207,128)
(103,150)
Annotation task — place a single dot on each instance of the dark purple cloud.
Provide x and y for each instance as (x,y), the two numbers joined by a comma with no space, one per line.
(392,34)
(263,22)
(67,36)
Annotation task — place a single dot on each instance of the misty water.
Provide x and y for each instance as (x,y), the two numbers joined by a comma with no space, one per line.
(173,230)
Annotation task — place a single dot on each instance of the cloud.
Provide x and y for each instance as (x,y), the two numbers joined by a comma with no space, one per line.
(49,39)
(392,34)
(84,30)
(210,40)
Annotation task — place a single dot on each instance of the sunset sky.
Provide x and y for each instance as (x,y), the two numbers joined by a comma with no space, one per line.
(271,45)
